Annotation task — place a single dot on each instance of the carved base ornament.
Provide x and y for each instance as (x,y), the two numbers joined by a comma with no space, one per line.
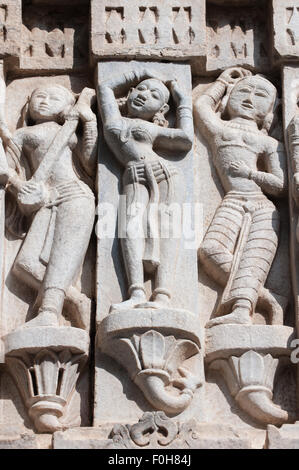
(154,353)
(45,363)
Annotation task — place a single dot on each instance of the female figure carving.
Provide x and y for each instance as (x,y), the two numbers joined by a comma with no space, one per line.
(44,169)
(148,178)
(241,242)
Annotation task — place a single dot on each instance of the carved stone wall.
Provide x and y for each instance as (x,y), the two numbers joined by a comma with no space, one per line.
(149,194)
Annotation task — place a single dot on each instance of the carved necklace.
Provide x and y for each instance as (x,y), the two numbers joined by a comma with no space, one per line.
(242,127)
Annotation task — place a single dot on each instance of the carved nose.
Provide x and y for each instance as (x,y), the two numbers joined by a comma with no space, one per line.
(141,96)
(45,100)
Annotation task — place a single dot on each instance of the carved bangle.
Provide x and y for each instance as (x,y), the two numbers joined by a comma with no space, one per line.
(184,111)
(135,287)
(217,92)
(91,122)
(222,81)
(160,290)
(184,106)
(258,177)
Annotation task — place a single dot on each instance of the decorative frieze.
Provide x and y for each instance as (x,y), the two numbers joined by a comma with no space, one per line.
(169,30)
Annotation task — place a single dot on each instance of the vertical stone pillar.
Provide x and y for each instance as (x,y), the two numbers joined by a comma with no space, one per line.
(285,51)
(2,219)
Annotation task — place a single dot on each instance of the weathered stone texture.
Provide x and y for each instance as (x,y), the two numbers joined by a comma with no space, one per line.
(172,29)
(10,27)
(285,30)
(149,234)
(237,36)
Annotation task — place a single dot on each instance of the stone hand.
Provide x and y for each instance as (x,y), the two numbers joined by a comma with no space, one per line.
(176,92)
(149,73)
(85,113)
(240,169)
(32,196)
(233,74)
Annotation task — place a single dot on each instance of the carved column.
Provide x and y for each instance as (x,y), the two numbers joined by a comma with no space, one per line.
(286,44)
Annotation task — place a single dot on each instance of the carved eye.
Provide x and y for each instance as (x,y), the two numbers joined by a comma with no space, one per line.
(156,95)
(260,93)
(141,87)
(246,90)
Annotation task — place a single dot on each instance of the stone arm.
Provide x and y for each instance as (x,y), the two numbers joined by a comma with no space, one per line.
(182,137)
(273,181)
(107,90)
(88,146)
(205,106)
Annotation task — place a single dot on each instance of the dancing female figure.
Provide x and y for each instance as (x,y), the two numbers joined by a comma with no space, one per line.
(241,242)
(148,179)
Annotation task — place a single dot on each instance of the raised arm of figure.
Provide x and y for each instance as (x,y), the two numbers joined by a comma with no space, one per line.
(89,140)
(107,90)
(182,137)
(205,106)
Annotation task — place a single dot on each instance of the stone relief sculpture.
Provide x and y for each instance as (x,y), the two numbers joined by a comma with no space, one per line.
(45,164)
(155,356)
(241,242)
(148,179)
(102,342)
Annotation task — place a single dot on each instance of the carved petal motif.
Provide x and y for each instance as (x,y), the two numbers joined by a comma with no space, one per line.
(125,353)
(180,352)
(152,350)
(251,369)
(46,371)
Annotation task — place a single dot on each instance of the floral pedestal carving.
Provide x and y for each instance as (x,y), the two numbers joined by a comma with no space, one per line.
(248,358)
(154,347)
(45,363)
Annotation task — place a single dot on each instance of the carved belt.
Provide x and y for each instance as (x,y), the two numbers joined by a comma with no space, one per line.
(250,201)
(68,191)
(64,192)
(151,174)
